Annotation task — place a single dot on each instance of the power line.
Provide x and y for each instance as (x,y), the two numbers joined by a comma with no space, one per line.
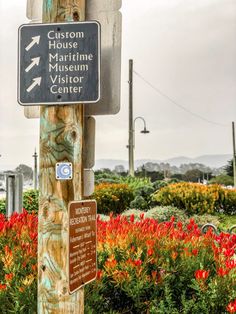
(177,104)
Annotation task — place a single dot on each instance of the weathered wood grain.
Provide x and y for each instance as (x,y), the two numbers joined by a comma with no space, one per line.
(61,134)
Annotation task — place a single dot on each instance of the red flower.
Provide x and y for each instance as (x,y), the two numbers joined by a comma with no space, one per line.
(138,262)
(195,252)
(142,216)
(150,252)
(230,264)
(222,272)
(229,252)
(132,218)
(201,274)
(99,274)
(231,307)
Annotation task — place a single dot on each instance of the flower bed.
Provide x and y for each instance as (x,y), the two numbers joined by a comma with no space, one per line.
(18,263)
(144,267)
(151,267)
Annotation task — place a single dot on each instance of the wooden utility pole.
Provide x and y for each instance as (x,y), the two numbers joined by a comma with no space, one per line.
(131,121)
(234,154)
(61,134)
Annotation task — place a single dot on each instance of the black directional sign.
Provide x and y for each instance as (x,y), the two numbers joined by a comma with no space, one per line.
(59,63)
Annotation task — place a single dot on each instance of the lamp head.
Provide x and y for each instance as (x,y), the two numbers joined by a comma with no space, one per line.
(145,131)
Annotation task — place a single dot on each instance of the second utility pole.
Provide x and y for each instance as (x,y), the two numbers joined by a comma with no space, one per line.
(131,121)
(234,155)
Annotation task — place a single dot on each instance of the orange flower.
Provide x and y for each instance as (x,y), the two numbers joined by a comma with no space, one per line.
(8,277)
(3,287)
(174,255)
(111,262)
(8,258)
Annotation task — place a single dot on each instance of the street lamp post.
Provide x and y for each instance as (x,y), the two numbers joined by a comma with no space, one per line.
(35,170)
(131,147)
(132,122)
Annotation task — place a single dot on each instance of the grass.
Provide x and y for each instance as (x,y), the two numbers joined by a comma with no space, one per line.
(227,221)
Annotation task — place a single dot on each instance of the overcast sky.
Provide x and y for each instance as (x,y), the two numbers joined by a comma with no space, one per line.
(183,49)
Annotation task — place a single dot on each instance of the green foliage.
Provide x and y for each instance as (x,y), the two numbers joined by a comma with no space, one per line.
(26,171)
(223,179)
(106,176)
(2,206)
(165,213)
(143,197)
(135,183)
(157,185)
(229,168)
(112,197)
(226,222)
(30,202)
(193,175)
(133,212)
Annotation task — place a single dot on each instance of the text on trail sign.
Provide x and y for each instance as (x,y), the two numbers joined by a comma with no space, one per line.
(82,243)
(59,63)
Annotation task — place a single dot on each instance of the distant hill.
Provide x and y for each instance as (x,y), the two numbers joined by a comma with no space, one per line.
(212,161)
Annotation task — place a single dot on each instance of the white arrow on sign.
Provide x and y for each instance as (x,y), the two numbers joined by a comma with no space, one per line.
(35,61)
(36,81)
(35,40)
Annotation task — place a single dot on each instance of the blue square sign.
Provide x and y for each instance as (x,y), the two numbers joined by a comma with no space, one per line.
(64,171)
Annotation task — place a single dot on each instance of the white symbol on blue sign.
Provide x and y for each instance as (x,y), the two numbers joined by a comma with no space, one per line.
(64,170)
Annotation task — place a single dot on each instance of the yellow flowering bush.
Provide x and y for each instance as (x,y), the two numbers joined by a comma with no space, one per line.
(113,197)
(197,198)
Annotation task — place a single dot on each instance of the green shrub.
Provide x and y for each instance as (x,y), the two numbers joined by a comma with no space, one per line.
(135,183)
(157,185)
(112,197)
(229,202)
(133,212)
(222,179)
(165,213)
(143,197)
(30,202)
(139,203)
(206,218)
(2,206)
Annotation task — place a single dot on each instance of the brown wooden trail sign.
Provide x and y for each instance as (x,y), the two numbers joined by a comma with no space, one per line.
(82,243)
